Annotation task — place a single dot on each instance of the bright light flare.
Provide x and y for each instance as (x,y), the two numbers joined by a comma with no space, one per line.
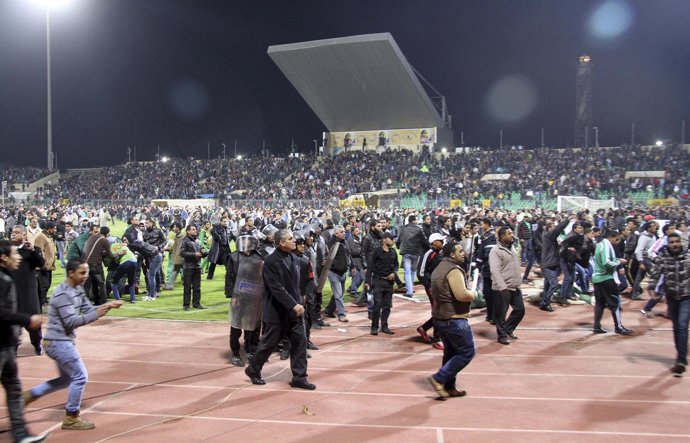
(512,98)
(610,19)
(53,4)
(659,143)
(165,159)
(239,157)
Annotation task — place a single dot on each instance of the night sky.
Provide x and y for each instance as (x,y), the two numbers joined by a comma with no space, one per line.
(185,73)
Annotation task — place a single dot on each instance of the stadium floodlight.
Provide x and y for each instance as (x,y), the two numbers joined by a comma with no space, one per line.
(165,159)
(48,5)
(659,143)
(239,157)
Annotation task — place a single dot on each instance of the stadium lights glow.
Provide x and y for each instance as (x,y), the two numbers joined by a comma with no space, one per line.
(444,150)
(53,3)
(165,159)
(239,157)
(659,143)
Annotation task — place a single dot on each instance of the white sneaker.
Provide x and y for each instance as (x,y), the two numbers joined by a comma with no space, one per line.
(648,314)
(34,438)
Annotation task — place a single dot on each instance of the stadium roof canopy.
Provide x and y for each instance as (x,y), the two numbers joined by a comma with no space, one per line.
(361,82)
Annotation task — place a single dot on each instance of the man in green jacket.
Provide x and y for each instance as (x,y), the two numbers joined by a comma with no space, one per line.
(605,281)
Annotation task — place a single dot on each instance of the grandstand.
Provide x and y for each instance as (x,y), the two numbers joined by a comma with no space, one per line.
(394,179)
(366,93)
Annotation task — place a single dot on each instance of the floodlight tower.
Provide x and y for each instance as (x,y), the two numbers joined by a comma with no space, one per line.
(583,101)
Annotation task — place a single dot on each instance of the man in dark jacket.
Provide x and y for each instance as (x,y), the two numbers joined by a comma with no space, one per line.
(570,251)
(25,280)
(342,261)
(674,264)
(283,313)
(384,264)
(426,226)
(190,251)
(488,242)
(412,244)
(96,249)
(10,321)
(430,260)
(155,237)
(220,249)
(354,242)
(550,261)
(371,241)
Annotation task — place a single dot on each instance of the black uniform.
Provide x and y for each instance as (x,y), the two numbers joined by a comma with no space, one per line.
(282,294)
(383,263)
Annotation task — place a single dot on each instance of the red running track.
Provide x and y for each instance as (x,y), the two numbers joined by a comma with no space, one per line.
(170,381)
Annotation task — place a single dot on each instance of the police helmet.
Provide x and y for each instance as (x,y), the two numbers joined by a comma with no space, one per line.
(247,243)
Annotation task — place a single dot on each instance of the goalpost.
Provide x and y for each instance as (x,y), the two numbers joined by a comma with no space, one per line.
(578,203)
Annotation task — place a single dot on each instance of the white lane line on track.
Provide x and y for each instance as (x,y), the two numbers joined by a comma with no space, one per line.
(397,426)
(399,395)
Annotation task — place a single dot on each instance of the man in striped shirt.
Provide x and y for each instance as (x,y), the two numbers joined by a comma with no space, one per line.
(69,309)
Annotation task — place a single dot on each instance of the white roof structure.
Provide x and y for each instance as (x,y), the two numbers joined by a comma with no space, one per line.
(361,82)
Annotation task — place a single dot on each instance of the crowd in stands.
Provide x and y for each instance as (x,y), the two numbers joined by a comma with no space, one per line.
(20,175)
(534,174)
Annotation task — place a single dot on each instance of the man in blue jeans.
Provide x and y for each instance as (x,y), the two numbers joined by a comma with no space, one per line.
(550,261)
(412,243)
(451,313)
(68,310)
(673,263)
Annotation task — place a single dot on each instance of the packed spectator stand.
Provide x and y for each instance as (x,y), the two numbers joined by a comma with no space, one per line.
(537,177)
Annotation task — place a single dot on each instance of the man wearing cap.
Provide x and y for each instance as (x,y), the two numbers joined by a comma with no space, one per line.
(384,263)
(430,261)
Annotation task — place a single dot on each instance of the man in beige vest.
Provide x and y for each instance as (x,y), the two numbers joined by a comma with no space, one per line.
(45,240)
(451,313)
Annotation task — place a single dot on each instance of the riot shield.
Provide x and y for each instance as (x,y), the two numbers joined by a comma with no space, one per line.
(247,295)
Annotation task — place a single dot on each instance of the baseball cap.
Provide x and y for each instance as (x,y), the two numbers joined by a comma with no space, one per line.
(436,236)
